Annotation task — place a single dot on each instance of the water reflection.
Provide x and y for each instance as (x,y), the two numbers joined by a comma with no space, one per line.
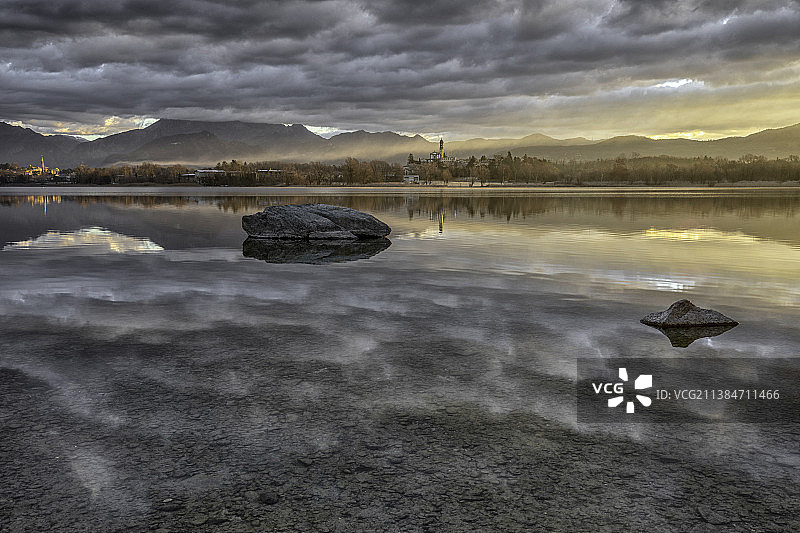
(697,205)
(747,241)
(683,337)
(700,234)
(168,370)
(93,240)
(312,252)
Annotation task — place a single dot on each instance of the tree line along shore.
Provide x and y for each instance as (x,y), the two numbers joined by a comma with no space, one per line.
(499,169)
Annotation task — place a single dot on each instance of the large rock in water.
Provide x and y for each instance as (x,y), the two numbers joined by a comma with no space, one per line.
(683,314)
(313,221)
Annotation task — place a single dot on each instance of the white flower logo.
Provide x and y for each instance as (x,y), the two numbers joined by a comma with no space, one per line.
(644,381)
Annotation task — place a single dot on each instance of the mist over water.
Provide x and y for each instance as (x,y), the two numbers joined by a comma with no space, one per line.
(145,358)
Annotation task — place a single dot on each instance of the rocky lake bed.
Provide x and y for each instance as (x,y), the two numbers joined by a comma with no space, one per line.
(311,448)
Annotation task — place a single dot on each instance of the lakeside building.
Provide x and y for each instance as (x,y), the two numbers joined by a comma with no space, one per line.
(208,176)
(440,156)
(413,169)
(268,176)
(41,170)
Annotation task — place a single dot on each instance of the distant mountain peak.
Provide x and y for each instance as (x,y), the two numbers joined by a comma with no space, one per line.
(251,141)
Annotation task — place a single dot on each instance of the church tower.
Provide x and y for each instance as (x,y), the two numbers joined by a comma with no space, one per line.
(441,147)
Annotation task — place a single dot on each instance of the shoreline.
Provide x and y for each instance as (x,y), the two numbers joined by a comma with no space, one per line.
(200,190)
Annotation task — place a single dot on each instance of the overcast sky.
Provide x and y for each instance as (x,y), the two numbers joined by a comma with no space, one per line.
(489,68)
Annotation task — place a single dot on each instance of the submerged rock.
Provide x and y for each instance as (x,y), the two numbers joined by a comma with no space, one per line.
(684,313)
(312,251)
(313,222)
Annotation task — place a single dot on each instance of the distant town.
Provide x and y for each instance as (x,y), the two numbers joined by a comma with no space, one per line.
(437,169)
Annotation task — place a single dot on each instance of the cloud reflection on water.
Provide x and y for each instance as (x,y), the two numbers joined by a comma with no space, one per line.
(89,240)
(700,234)
(683,337)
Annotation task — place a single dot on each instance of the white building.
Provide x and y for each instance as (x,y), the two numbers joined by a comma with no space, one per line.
(440,156)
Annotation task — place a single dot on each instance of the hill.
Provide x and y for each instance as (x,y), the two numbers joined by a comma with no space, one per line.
(490,146)
(201,148)
(229,139)
(771,143)
(387,145)
(199,143)
(24,146)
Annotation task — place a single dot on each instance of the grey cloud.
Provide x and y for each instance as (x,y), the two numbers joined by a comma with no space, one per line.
(442,65)
(541,19)
(438,13)
(650,17)
(214,19)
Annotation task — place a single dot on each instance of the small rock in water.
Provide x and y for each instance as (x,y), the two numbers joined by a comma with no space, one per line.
(199,519)
(268,497)
(714,517)
(169,505)
(684,313)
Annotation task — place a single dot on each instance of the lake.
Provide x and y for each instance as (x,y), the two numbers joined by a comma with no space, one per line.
(154,378)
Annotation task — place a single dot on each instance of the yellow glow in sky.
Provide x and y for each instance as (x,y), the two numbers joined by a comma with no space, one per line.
(695,135)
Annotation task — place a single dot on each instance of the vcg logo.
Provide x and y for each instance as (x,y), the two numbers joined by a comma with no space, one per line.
(644,381)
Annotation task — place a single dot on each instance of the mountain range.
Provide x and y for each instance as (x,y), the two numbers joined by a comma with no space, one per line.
(200,143)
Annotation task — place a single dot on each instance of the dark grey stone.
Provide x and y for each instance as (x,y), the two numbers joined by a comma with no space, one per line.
(169,505)
(683,314)
(715,517)
(362,225)
(269,497)
(198,519)
(313,221)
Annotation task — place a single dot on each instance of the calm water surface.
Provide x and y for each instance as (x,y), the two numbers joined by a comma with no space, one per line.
(133,316)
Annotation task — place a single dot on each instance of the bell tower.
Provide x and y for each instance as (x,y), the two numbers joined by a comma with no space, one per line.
(441,147)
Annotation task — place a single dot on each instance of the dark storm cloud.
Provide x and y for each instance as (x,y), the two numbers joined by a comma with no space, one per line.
(658,16)
(492,66)
(442,12)
(74,18)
